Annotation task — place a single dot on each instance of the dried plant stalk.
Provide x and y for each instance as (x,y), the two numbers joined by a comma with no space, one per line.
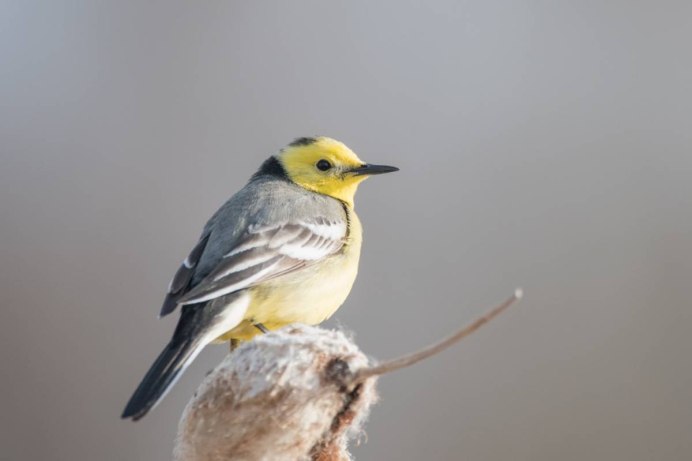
(408,360)
(300,393)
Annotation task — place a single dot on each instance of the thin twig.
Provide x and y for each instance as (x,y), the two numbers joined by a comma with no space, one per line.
(408,360)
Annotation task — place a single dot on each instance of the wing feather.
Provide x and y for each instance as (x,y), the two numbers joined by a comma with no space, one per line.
(181,280)
(266,252)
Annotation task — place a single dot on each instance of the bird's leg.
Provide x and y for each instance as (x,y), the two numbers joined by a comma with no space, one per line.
(261,327)
(234,343)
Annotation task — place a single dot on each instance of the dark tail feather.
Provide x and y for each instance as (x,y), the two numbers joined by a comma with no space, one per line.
(190,336)
(161,376)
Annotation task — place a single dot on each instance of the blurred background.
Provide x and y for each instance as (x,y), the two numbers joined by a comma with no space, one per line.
(546,145)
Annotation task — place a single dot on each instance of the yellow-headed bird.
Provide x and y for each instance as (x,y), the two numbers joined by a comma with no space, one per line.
(284,249)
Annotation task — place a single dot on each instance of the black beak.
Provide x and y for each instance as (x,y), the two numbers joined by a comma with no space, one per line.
(370,169)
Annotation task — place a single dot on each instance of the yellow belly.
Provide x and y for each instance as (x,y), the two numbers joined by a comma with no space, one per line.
(309,295)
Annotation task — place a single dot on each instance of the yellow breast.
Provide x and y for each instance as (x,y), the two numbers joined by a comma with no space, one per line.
(310,295)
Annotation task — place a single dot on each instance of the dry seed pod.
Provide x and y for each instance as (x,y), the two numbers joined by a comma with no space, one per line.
(286,395)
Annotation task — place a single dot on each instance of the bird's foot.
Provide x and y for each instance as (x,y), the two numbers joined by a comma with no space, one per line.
(261,327)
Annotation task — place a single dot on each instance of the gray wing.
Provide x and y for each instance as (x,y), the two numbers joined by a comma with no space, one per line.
(268,251)
(269,228)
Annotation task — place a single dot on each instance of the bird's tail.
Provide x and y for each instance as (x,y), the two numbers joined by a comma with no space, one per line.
(165,371)
(199,324)
(188,340)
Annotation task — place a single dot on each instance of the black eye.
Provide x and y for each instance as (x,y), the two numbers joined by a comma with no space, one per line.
(323,165)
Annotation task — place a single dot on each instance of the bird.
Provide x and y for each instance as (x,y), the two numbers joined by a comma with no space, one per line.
(284,249)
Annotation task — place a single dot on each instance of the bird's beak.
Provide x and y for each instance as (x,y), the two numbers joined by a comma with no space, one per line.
(370,169)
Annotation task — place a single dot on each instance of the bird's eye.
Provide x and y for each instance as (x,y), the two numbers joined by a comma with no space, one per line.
(323,165)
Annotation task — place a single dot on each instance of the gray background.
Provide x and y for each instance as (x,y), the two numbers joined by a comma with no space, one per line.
(542,144)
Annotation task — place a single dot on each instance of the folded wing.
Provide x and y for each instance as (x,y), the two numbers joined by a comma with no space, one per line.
(265,252)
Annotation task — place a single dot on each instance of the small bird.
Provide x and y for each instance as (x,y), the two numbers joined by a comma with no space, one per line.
(282,250)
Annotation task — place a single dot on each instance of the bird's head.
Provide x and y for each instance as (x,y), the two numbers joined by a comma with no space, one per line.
(327,166)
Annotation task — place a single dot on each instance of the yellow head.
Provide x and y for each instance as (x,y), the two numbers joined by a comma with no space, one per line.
(326,166)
